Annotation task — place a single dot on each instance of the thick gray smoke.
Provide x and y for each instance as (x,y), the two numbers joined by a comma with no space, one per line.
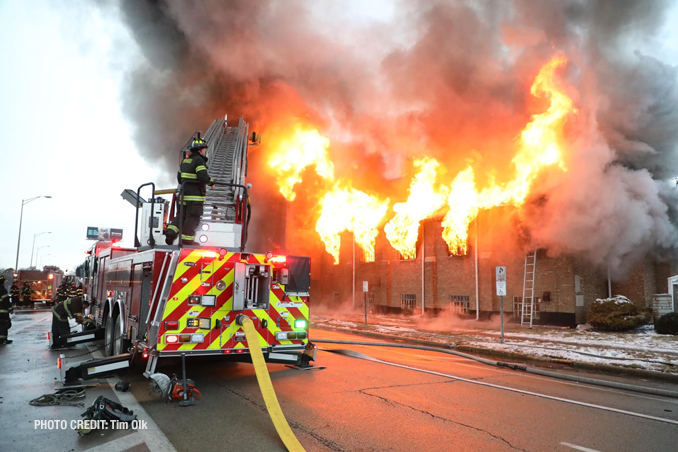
(446,79)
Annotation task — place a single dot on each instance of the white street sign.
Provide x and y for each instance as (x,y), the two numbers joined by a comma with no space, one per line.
(501,288)
(501,274)
(365,288)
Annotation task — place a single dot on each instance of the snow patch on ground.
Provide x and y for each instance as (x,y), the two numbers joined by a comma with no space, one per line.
(642,348)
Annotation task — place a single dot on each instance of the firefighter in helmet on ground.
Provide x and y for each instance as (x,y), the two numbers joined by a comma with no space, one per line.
(5,310)
(62,292)
(70,309)
(14,293)
(26,294)
(192,169)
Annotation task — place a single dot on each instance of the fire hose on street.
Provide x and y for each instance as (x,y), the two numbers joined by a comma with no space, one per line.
(282,427)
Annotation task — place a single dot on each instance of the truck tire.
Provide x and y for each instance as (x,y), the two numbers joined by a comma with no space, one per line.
(120,344)
(109,327)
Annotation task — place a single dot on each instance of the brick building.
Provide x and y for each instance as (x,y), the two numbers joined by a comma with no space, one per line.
(565,286)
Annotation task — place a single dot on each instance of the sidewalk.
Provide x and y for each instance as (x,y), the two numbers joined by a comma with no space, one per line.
(641,353)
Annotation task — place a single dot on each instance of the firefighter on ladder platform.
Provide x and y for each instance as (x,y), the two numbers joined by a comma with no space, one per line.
(70,309)
(193,169)
(5,310)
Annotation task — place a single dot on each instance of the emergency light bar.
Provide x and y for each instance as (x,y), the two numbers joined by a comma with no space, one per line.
(184,338)
(290,335)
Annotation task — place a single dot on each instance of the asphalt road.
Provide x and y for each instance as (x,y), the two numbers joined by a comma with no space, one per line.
(358,405)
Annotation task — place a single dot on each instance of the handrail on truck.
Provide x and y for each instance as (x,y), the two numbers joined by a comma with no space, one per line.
(151,240)
(243,238)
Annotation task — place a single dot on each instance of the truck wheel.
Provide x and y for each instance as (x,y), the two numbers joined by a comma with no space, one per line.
(120,344)
(108,336)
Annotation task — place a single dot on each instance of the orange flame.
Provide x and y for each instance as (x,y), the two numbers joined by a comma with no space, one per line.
(539,147)
(464,205)
(294,153)
(403,229)
(347,209)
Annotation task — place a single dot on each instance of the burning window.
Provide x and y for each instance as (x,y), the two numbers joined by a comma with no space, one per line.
(410,258)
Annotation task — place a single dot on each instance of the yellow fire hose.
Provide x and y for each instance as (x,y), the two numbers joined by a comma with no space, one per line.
(264,379)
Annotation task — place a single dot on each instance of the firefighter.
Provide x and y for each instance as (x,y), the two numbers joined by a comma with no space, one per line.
(14,292)
(5,310)
(26,294)
(192,168)
(61,293)
(70,309)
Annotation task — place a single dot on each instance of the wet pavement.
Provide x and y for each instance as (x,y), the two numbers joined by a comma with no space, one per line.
(29,370)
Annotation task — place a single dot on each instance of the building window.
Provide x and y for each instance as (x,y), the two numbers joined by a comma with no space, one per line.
(518,308)
(459,252)
(459,304)
(408,301)
(403,258)
(370,299)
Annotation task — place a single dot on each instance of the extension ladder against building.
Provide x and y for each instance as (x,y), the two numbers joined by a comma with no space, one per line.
(527,313)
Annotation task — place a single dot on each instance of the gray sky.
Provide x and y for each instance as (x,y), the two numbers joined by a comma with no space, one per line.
(63,131)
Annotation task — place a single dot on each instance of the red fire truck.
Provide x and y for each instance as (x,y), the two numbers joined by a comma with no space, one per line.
(177,300)
(42,283)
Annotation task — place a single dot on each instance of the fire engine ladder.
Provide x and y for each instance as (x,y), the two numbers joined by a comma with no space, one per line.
(527,313)
(227,164)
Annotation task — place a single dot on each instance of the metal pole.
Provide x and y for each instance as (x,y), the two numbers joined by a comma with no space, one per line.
(476,253)
(37,260)
(423,258)
(353,295)
(501,314)
(21,219)
(365,304)
(18,244)
(33,248)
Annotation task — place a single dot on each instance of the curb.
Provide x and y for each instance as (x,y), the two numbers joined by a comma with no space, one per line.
(604,368)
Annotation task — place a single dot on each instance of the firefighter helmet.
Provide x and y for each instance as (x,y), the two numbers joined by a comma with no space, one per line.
(198,144)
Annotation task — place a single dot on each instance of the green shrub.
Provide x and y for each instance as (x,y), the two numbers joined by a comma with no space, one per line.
(615,314)
(667,324)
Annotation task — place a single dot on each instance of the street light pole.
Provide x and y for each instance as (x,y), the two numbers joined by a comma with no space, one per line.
(46,255)
(38,252)
(33,249)
(21,219)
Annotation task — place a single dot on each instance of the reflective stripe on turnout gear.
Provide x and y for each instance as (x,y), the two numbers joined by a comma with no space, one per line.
(4,311)
(189,176)
(194,199)
(68,311)
(171,227)
(187,237)
(57,315)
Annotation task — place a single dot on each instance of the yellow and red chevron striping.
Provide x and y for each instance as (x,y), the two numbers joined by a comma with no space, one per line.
(278,317)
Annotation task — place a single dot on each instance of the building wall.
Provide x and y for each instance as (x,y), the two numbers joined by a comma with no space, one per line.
(639,284)
(662,274)
(498,244)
